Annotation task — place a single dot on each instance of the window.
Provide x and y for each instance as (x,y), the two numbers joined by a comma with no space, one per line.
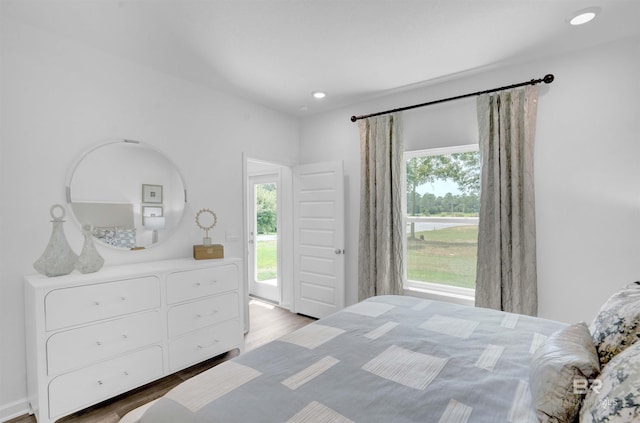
(441,211)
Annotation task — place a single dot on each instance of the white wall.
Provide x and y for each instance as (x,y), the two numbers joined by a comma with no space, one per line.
(60,98)
(587,173)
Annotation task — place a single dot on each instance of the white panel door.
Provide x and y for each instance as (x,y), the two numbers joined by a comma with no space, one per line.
(319,239)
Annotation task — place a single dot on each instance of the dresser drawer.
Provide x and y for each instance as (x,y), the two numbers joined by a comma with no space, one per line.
(205,343)
(78,389)
(187,317)
(191,284)
(78,347)
(72,306)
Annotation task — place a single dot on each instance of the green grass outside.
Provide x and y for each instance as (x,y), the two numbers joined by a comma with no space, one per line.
(267,260)
(445,256)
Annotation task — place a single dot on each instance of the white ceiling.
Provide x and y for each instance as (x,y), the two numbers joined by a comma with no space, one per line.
(277,52)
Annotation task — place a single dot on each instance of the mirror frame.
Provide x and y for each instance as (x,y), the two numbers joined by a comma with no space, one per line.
(77,163)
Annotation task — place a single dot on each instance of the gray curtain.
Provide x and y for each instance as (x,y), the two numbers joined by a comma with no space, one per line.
(506,270)
(380,252)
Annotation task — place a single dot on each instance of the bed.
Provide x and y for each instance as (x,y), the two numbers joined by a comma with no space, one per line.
(386,359)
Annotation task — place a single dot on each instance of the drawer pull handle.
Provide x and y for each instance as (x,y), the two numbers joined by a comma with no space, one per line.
(201,347)
(209,283)
(122,338)
(209,313)
(125,373)
(98,303)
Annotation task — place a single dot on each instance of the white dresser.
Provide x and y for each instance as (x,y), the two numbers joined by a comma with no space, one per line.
(91,337)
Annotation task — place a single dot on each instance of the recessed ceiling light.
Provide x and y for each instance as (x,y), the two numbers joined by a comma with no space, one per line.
(318,94)
(583,16)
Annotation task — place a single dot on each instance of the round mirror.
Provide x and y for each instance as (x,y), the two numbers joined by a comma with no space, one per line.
(130,193)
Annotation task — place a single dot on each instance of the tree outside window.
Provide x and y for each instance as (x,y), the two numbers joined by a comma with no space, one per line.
(442,209)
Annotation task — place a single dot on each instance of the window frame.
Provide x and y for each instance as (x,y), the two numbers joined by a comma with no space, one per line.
(429,289)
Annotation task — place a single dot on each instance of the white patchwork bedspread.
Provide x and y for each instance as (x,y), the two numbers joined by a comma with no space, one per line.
(387,359)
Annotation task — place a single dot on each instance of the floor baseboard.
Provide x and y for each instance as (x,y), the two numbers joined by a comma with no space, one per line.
(13,409)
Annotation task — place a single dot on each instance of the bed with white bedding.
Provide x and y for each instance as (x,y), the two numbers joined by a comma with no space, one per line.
(387,359)
(402,359)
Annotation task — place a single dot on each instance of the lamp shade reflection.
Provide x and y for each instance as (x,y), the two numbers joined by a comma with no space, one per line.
(154,223)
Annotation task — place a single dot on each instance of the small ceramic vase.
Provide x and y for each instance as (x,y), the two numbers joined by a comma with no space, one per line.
(57,259)
(90,260)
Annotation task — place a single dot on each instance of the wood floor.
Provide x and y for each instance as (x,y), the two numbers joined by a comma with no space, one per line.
(267,323)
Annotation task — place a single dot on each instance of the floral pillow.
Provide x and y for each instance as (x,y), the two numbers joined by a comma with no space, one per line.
(564,363)
(617,325)
(615,396)
(105,234)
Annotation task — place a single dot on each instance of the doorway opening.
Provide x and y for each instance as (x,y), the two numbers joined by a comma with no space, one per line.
(307,276)
(269,231)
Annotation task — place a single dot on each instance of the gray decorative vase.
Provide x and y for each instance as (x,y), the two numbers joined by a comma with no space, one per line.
(90,260)
(58,258)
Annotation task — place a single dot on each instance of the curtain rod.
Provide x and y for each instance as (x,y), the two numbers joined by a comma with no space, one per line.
(548,79)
